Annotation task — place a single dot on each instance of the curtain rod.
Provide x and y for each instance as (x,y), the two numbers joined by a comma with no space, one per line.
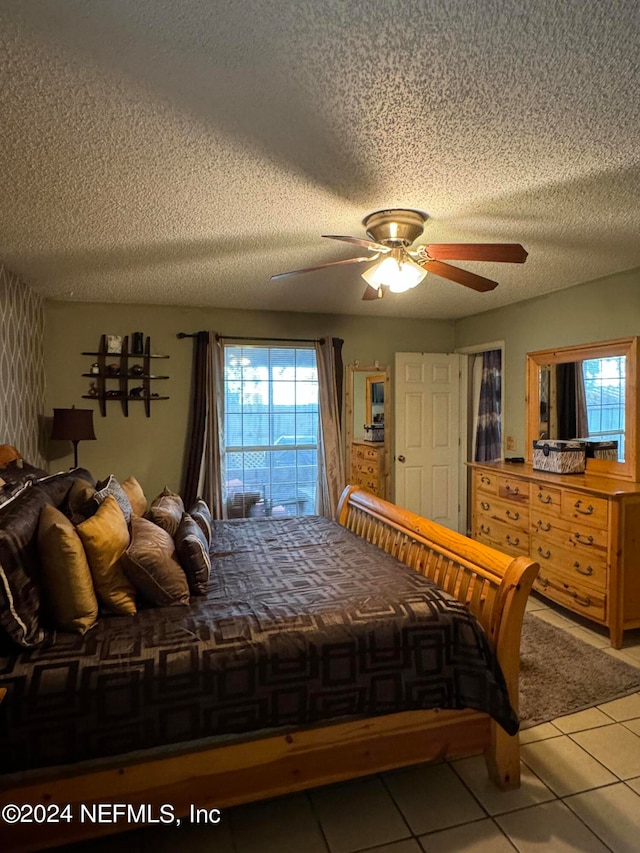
(252,338)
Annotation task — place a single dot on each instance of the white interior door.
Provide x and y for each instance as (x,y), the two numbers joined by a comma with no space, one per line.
(427,427)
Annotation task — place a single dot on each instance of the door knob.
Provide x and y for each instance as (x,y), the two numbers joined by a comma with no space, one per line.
(400,458)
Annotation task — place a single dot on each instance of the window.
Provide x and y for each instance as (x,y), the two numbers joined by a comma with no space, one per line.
(604,386)
(271,428)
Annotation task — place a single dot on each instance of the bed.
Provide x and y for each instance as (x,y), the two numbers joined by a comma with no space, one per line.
(340,731)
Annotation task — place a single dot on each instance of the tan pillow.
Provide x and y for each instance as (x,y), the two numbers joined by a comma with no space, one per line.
(137,499)
(105,537)
(166,511)
(79,494)
(8,454)
(151,564)
(66,574)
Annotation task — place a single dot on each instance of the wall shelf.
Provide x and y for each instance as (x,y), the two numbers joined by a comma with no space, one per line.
(114,378)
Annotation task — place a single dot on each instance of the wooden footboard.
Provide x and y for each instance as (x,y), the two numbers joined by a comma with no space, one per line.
(493,585)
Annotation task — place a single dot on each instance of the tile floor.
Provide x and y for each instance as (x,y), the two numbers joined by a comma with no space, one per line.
(580,791)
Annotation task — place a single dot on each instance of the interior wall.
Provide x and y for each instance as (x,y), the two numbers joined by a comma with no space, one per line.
(599,310)
(153,448)
(22,375)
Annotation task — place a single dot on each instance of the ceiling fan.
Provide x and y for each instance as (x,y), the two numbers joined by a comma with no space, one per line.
(392,232)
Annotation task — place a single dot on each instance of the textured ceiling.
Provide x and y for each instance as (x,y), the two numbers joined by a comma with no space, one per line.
(182,152)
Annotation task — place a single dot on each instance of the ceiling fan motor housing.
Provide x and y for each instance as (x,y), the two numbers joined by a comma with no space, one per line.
(399,227)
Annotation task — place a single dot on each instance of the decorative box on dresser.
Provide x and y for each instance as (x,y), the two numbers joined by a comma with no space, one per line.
(368,467)
(583,530)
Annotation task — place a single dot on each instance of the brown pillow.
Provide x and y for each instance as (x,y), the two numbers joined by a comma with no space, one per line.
(133,490)
(151,565)
(166,511)
(8,454)
(80,493)
(66,575)
(193,553)
(105,537)
(201,514)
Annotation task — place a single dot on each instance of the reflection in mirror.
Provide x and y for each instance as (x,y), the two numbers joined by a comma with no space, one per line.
(368,427)
(584,399)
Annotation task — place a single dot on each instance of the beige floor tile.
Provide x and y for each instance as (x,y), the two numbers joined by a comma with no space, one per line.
(614,746)
(534,604)
(286,823)
(613,813)
(589,719)
(626,708)
(599,641)
(634,784)
(473,772)
(564,766)
(124,842)
(199,839)
(409,845)
(432,797)
(541,732)
(555,618)
(482,836)
(549,828)
(633,725)
(356,815)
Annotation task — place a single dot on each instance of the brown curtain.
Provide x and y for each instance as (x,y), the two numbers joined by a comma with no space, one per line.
(198,423)
(331,478)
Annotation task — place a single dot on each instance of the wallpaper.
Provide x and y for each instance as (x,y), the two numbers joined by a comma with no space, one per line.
(21,366)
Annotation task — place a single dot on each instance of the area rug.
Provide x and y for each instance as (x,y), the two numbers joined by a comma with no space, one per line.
(560,674)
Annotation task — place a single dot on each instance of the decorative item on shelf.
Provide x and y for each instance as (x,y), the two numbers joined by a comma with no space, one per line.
(93,390)
(559,456)
(155,394)
(113,394)
(137,344)
(73,425)
(114,344)
(374,432)
(95,368)
(138,391)
(136,370)
(113,369)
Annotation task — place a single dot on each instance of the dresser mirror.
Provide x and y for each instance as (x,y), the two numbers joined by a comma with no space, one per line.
(587,392)
(368,409)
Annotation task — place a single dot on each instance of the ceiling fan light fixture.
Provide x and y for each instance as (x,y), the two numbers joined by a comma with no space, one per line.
(398,272)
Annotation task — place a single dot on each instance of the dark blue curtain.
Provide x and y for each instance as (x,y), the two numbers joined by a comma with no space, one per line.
(488,434)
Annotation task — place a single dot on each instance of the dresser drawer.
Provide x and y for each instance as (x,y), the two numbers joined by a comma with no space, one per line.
(514,490)
(492,508)
(501,536)
(545,497)
(363,451)
(589,602)
(578,565)
(486,482)
(569,535)
(370,468)
(584,509)
(371,484)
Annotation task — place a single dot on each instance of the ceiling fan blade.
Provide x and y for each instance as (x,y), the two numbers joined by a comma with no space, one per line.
(360,241)
(509,253)
(370,293)
(469,279)
(322,266)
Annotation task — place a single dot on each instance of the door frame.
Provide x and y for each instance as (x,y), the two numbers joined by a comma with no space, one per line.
(465,414)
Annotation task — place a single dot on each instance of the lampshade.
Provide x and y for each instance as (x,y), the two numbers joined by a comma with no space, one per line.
(73,425)
(398,271)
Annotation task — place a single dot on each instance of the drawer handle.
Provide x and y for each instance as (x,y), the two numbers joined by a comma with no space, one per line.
(514,516)
(543,581)
(587,511)
(546,554)
(586,540)
(541,525)
(585,602)
(544,499)
(484,479)
(485,506)
(587,571)
(484,529)
(514,542)
(515,491)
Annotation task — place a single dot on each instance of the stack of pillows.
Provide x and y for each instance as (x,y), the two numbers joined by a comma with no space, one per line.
(112,552)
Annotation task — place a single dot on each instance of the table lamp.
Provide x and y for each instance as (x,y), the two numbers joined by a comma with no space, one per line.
(73,425)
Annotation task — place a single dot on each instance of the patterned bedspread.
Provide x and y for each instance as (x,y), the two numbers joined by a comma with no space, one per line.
(303,622)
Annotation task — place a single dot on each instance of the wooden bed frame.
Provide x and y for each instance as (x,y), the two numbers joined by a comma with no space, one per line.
(493,585)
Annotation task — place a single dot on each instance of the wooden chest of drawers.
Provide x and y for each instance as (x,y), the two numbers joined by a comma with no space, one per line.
(367,467)
(583,530)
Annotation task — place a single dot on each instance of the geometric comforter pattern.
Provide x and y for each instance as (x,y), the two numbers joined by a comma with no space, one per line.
(302,622)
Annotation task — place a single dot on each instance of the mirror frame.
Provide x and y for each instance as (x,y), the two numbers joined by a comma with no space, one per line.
(628,347)
(374,379)
(382,371)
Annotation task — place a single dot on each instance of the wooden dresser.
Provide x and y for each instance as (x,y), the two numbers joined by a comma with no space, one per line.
(367,464)
(583,530)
